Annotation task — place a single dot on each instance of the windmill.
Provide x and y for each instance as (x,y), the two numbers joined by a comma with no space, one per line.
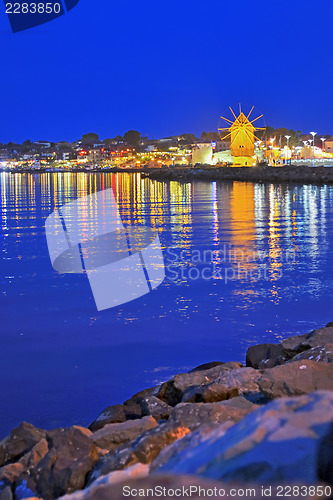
(242,134)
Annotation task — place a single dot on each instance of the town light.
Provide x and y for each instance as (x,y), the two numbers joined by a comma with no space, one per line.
(323,139)
(313,135)
(287,137)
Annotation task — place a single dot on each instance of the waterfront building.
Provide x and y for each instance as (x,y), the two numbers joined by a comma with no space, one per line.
(242,136)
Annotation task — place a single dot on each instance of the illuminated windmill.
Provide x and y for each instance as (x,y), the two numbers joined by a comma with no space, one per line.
(242,137)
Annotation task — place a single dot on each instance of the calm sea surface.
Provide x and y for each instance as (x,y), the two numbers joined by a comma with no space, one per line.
(245,263)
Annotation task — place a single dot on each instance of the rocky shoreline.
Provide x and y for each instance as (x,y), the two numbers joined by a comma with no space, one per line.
(222,426)
(287,173)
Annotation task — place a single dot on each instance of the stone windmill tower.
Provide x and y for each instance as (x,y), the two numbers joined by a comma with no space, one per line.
(242,135)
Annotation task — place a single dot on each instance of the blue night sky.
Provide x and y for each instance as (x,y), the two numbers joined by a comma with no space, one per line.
(167,68)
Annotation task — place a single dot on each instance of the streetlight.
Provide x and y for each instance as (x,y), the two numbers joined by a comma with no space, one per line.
(287,137)
(323,139)
(313,135)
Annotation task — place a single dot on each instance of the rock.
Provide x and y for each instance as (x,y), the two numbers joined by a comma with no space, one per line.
(11,472)
(143,450)
(325,457)
(193,415)
(263,352)
(31,459)
(133,405)
(206,366)
(111,415)
(6,493)
(295,345)
(171,392)
(323,353)
(299,377)
(65,467)
(136,471)
(20,440)
(245,380)
(210,393)
(155,407)
(112,436)
(189,442)
(3,450)
(278,442)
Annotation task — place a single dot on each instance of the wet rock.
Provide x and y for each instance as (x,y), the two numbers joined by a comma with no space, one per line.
(325,457)
(133,405)
(171,392)
(112,436)
(206,366)
(323,353)
(210,393)
(65,467)
(155,407)
(134,472)
(245,380)
(278,442)
(296,345)
(193,415)
(20,440)
(143,450)
(299,377)
(111,415)
(269,353)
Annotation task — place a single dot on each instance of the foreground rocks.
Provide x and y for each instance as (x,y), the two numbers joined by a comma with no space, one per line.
(280,440)
(269,422)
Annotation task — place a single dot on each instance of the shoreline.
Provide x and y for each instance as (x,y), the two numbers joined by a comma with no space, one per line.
(216,424)
(290,174)
(304,174)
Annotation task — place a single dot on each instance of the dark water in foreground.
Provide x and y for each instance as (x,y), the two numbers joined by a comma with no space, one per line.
(245,263)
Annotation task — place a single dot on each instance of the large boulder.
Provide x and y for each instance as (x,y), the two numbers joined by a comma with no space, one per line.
(144,449)
(111,415)
(133,472)
(210,393)
(171,392)
(132,406)
(264,353)
(296,345)
(190,441)
(194,415)
(65,467)
(206,366)
(325,457)
(112,436)
(323,353)
(299,377)
(276,443)
(155,407)
(20,440)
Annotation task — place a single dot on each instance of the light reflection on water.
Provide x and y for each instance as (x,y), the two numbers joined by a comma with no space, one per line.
(75,361)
